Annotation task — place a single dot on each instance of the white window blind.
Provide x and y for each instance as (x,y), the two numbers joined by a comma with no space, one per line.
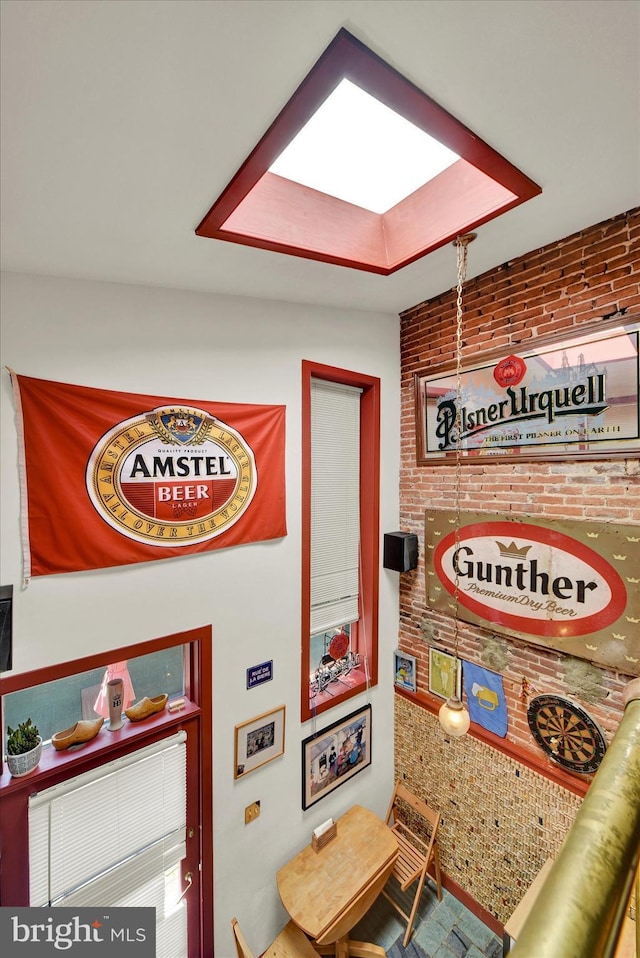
(111,837)
(335,504)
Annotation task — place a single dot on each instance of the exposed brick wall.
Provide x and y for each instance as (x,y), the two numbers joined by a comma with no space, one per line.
(589,277)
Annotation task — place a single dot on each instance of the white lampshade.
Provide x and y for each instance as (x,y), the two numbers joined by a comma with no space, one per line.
(454,718)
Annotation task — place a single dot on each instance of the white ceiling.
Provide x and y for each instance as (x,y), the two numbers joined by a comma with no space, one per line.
(122,121)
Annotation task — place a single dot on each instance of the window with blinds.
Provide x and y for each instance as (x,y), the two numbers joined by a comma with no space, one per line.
(340,534)
(335,504)
(115,837)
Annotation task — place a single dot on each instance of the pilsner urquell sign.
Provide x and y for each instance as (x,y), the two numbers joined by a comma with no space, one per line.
(572,397)
(569,586)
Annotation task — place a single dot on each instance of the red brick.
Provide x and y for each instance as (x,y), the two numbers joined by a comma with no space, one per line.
(558,289)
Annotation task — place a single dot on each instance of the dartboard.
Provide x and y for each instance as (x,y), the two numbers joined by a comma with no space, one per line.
(568,734)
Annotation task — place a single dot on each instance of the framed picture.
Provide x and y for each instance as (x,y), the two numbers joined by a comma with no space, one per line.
(564,397)
(445,674)
(404,670)
(334,755)
(258,741)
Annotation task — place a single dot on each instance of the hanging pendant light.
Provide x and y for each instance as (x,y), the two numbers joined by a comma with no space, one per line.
(453,716)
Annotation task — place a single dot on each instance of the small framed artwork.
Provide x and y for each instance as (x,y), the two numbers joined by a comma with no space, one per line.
(258,741)
(334,755)
(445,674)
(404,671)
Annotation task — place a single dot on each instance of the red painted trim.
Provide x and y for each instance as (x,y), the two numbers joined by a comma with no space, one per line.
(543,767)
(313,225)
(14,835)
(356,680)
(284,212)
(265,211)
(15,681)
(370,520)
(203,681)
(454,202)
(275,247)
(305,544)
(56,766)
(366,632)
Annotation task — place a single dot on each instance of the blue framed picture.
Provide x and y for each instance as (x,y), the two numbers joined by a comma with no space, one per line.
(405,671)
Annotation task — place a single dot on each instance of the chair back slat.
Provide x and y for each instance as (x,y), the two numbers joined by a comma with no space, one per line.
(290,943)
(416,854)
(422,809)
(241,946)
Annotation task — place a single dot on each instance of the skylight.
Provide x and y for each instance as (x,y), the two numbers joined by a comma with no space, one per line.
(358,150)
(399,202)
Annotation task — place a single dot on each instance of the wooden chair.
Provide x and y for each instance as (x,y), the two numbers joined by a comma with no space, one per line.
(417,854)
(290,943)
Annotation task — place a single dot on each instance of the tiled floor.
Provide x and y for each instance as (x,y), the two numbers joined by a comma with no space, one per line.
(443,929)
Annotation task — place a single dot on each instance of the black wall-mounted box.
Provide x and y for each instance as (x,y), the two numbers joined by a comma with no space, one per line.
(6,603)
(400,551)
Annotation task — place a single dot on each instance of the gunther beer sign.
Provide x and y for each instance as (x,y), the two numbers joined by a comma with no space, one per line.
(569,586)
(572,397)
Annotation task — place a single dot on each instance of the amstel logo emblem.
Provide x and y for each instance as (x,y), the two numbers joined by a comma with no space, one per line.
(171,477)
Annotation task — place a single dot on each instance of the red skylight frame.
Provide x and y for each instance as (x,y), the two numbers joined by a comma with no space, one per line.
(261,209)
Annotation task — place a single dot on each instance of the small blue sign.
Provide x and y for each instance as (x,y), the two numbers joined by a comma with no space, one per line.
(258,674)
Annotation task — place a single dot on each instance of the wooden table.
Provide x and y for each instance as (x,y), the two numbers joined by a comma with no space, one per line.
(327,892)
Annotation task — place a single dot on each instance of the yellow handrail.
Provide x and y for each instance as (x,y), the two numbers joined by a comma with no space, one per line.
(581,906)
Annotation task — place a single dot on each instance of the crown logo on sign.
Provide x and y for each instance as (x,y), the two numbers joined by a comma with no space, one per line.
(189,427)
(511,551)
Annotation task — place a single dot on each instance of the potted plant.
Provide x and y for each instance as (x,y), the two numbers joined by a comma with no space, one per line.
(24,748)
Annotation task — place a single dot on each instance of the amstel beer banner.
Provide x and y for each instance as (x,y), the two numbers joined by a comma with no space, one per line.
(111,478)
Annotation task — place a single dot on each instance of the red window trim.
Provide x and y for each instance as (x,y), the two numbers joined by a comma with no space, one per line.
(196,719)
(365,632)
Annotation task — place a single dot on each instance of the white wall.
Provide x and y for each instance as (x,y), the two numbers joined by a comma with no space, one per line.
(199,346)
